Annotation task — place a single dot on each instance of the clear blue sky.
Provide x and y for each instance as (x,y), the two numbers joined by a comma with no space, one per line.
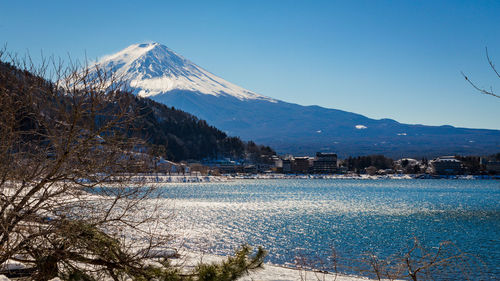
(383,59)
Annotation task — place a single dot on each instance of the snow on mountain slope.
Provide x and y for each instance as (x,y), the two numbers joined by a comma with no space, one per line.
(153,69)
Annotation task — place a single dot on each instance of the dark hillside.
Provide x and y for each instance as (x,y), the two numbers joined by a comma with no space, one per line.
(168,132)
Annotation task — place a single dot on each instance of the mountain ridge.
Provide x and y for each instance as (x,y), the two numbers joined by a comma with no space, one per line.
(287,127)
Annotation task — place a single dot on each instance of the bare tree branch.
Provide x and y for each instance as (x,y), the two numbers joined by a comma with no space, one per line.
(482,90)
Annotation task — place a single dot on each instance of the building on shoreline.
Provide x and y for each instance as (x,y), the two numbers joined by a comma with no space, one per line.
(325,163)
(328,163)
(301,165)
(493,167)
(447,165)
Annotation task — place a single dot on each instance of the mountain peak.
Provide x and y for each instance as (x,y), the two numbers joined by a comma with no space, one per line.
(152,69)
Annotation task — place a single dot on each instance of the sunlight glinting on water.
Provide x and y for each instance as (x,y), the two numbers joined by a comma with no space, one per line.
(354,216)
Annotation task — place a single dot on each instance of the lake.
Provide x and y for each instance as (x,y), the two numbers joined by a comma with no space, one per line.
(297,220)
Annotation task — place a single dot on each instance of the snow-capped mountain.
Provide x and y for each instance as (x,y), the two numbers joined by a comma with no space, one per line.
(155,71)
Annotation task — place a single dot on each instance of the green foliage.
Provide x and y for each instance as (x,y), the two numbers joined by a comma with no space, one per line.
(233,267)
(78,275)
(165,272)
(75,245)
(230,269)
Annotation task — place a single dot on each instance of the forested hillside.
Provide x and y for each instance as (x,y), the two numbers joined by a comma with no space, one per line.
(166,131)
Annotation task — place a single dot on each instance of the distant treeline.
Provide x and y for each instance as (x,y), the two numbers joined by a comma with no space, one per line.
(358,164)
(471,164)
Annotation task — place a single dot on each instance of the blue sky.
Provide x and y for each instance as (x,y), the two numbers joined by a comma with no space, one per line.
(383,59)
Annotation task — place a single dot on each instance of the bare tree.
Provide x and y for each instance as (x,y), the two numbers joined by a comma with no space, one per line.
(418,263)
(58,142)
(72,201)
(483,90)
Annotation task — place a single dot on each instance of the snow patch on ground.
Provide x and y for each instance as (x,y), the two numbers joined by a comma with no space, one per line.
(270,272)
(12,265)
(163,178)
(4,278)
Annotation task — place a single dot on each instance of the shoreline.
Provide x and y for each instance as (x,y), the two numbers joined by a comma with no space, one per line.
(272,272)
(165,178)
(268,272)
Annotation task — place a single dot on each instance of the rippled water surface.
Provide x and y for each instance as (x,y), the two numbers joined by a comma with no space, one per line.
(292,218)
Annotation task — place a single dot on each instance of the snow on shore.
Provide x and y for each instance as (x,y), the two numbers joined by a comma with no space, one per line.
(4,278)
(275,273)
(270,272)
(163,178)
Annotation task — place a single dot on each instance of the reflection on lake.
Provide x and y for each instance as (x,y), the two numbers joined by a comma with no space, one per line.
(308,217)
